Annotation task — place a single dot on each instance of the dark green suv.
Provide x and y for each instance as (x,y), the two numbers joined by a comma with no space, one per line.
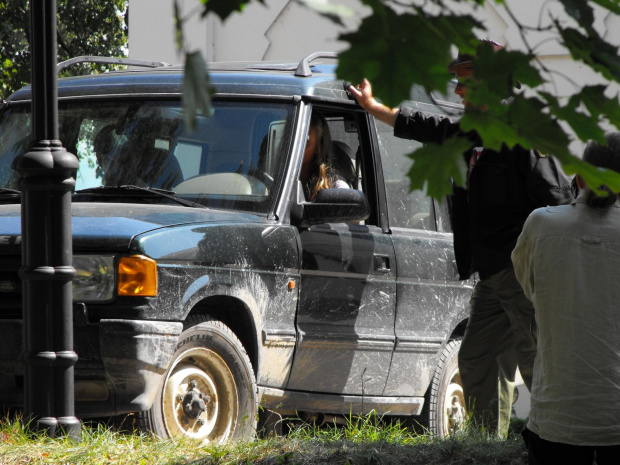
(207,284)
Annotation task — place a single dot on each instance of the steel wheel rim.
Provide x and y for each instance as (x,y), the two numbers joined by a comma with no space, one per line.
(454,406)
(201,371)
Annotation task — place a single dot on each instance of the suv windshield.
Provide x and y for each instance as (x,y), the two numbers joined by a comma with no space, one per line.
(231,160)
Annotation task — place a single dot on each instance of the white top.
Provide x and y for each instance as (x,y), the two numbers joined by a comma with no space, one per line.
(341,184)
(568,261)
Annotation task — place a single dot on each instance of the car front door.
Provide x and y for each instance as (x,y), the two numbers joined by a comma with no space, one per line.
(346,312)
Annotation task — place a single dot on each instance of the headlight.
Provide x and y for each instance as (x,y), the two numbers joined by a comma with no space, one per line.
(95,278)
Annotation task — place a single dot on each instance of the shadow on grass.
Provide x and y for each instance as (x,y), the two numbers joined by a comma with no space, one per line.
(454,451)
(372,440)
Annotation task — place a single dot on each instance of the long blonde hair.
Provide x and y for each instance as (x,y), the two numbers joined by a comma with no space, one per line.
(321,173)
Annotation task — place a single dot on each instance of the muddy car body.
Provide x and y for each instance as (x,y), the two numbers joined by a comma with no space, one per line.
(341,305)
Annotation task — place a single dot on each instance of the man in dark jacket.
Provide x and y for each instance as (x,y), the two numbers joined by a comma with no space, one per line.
(487,217)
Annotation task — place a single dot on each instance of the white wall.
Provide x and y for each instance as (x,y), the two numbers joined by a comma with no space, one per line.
(285,30)
(278,30)
(151,30)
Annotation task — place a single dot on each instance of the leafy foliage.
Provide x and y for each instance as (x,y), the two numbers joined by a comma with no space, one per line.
(86,27)
(224,8)
(593,51)
(452,167)
(508,99)
(387,40)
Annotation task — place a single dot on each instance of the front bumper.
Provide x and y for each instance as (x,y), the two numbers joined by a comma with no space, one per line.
(120,367)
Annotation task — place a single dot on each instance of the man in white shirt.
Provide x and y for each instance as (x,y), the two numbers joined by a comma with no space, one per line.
(567,260)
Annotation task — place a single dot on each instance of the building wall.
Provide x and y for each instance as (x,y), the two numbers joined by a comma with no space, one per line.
(286,31)
(279,30)
(151,30)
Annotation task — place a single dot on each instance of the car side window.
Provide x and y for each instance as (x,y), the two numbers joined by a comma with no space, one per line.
(350,161)
(345,149)
(346,154)
(412,210)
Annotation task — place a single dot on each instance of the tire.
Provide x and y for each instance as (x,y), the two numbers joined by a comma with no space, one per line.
(209,391)
(444,411)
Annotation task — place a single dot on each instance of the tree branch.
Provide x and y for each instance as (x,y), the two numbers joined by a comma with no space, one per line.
(64,45)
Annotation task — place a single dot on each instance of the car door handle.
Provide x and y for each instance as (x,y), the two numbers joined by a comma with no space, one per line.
(382,263)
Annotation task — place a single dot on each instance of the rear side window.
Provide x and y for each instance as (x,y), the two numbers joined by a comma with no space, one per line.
(411,210)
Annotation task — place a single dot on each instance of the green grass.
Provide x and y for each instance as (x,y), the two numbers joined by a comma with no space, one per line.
(362,440)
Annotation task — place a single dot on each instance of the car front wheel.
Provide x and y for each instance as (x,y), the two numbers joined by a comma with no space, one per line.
(444,412)
(209,391)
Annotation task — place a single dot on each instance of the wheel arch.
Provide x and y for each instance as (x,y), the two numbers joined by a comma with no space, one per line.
(459,330)
(235,314)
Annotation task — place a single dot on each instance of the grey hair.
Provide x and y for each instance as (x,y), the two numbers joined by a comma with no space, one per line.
(603,156)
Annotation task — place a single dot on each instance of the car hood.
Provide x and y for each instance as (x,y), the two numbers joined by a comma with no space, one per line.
(107,226)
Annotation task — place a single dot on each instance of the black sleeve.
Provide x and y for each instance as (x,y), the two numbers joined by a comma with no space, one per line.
(424,127)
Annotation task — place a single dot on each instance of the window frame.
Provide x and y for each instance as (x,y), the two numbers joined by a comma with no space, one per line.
(371,170)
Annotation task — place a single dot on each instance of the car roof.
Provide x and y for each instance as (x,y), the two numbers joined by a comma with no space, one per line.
(257,79)
(249,78)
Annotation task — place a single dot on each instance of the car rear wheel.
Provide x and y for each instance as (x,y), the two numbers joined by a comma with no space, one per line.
(209,391)
(444,411)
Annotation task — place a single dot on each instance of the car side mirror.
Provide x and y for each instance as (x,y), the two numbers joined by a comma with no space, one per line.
(332,206)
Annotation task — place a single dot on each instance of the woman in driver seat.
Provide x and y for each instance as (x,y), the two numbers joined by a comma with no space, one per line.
(316,172)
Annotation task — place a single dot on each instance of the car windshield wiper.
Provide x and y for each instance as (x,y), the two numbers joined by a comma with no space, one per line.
(151,191)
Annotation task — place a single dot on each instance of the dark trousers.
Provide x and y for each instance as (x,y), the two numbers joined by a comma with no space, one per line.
(500,334)
(542,452)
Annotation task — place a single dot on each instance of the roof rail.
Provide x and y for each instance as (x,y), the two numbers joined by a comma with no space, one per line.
(109,60)
(303,69)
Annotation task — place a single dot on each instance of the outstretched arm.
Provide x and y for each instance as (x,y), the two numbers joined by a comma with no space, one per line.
(363,94)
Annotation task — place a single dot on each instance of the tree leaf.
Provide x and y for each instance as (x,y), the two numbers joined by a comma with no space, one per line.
(581,12)
(396,50)
(541,131)
(593,51)
(524,122)
(505,69)
(224,8)
(585,126)
(611,5)
(439,165)
(594,177)
(493,129)
(178,26)
(599,105)
(197,89)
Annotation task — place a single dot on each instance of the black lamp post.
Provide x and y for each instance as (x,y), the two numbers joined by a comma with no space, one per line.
(48,176)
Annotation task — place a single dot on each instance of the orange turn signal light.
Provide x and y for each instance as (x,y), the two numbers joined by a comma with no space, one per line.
(137,276)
